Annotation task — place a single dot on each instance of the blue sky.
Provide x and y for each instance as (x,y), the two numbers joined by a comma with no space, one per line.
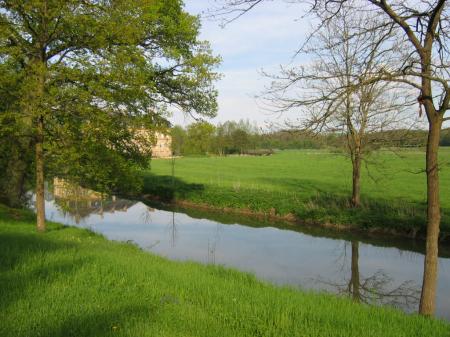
(262,39)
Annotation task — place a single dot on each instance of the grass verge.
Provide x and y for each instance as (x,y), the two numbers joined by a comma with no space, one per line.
(72,282)
(310,186)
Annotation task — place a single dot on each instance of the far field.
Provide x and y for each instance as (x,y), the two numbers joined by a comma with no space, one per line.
(312,185)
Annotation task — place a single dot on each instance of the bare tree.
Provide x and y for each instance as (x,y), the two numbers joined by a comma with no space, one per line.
(424,28)
(335,93)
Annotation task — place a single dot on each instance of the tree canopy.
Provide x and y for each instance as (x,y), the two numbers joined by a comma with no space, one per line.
(92,73)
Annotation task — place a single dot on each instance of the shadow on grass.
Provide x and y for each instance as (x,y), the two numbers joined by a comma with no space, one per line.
(14,215)
(18,270)
(113,322)
(168,188)
(36,275)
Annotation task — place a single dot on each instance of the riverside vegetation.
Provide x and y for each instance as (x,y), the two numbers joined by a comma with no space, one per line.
(64,97)
(103,288)
(312,185)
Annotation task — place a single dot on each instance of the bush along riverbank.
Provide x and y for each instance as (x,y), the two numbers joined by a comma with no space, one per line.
(72,282)
(303,187)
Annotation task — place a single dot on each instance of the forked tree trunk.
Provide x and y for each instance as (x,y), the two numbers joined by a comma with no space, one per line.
(430,274)
(40,201)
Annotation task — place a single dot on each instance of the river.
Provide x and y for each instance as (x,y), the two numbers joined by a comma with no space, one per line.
(370,270)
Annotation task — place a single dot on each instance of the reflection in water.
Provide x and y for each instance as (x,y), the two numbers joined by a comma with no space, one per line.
(146,215)
(212,245)
(376,288)
(173,231)
(79,203)
(368,273)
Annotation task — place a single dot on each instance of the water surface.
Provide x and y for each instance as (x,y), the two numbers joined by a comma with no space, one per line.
(368,270)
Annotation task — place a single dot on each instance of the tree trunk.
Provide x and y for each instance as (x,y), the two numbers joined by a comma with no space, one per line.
(428,296)
(356,186)
(40,201)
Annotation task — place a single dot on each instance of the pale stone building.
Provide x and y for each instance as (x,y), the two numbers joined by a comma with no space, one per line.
(159,143)
(163,146)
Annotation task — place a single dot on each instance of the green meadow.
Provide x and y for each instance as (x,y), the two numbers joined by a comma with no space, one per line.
(71,282)
(313,185)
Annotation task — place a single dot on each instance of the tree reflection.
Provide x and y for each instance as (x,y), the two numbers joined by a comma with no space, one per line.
(173,231)
(79,203)
(212,245)
(377,288)
(146,215)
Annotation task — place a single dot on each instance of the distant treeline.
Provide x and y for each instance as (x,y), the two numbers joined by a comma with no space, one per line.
(202,138)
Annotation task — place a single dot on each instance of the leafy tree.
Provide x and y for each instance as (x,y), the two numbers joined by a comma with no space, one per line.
(241,140)
(220,140)
(15,154)
(179,137)
(97,71)
(199,138)
(234,137)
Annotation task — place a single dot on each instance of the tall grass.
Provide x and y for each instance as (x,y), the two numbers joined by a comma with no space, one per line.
(71,282)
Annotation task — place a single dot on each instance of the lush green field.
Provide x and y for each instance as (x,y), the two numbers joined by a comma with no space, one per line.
(313,185)
(71,282)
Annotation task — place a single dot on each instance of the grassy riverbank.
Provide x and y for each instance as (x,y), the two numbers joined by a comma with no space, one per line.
(310,185)
(71,282)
